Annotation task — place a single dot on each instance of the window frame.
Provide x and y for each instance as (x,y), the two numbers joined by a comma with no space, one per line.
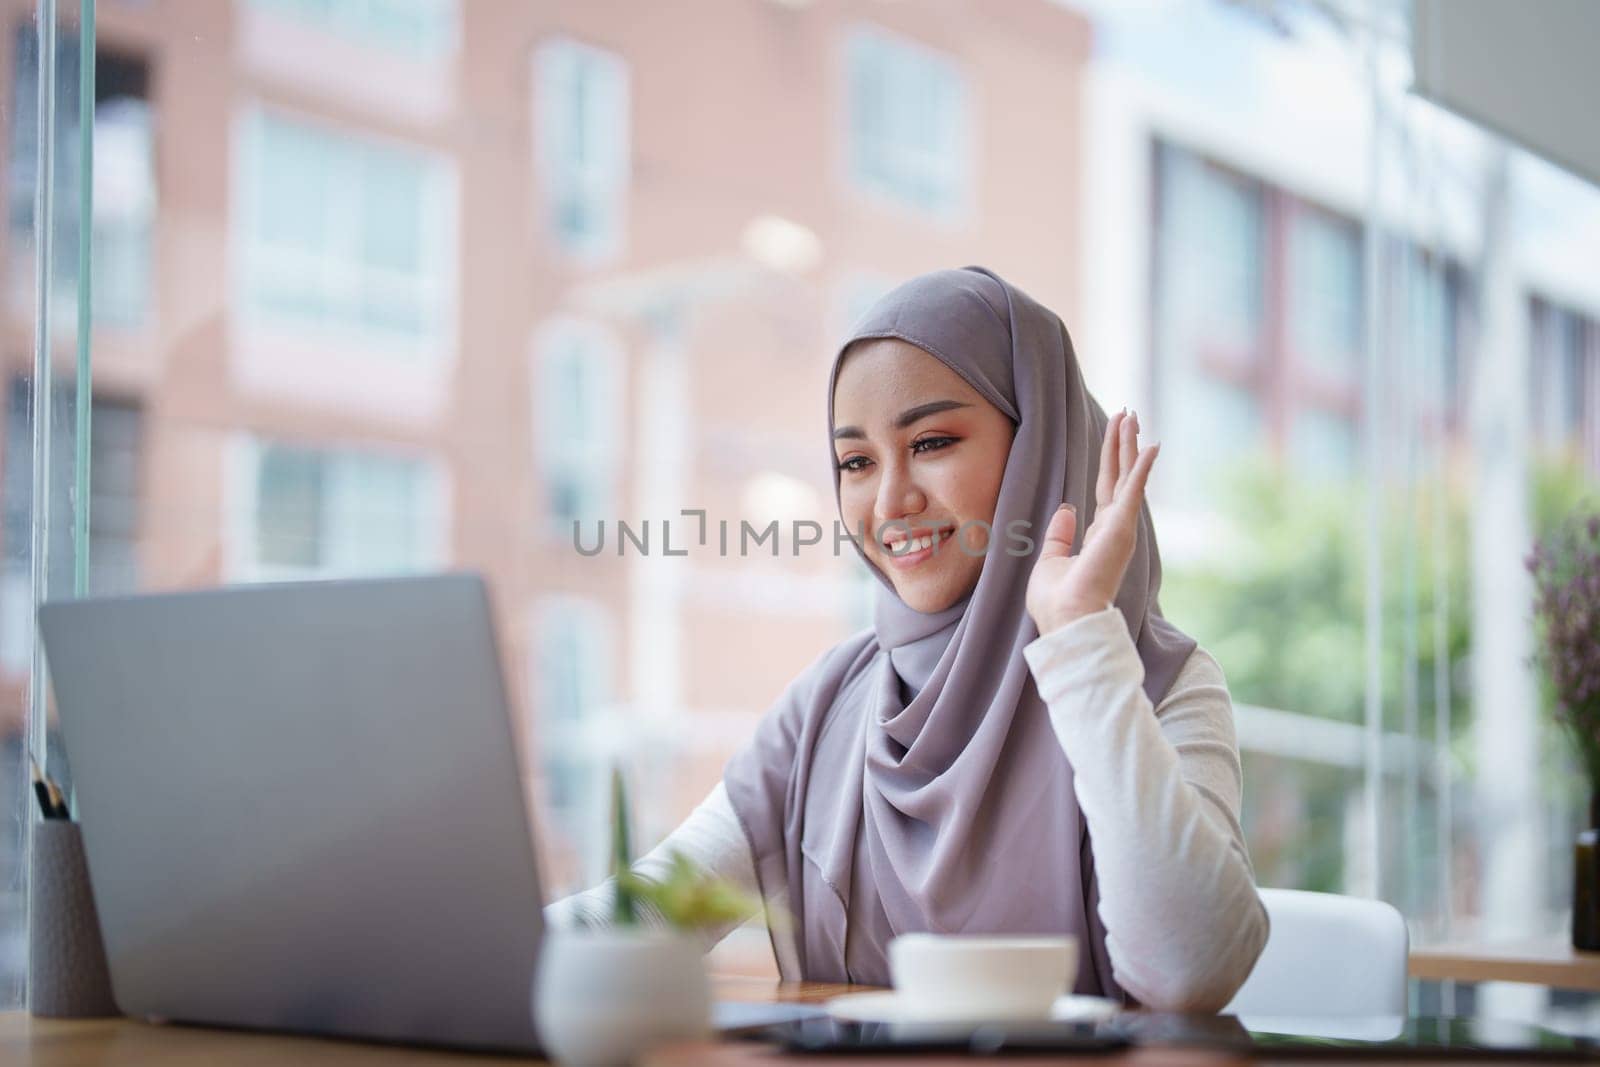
(434,285)
(607,183)
(582,741)
(601,351)
(957,159)
(242,558)
(344,23)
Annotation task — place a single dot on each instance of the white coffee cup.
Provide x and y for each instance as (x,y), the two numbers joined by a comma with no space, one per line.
(981,977)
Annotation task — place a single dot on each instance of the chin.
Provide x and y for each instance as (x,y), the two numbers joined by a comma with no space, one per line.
(929,601)
(933,586)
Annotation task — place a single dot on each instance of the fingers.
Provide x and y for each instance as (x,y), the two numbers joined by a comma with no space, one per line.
(1105,486)
(1124,467)
(1134,489)
(1059,534)
(1127,447)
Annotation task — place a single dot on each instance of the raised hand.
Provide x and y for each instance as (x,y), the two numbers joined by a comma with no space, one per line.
(1064,587)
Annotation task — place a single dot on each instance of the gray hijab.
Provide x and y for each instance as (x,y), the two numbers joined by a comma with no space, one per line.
(909,780)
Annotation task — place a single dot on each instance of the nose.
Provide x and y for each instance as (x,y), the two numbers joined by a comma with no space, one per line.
(898,493)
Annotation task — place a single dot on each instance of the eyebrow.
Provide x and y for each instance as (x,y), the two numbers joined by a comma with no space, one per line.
(906,417)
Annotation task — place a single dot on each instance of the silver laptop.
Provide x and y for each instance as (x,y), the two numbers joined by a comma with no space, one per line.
(302,808)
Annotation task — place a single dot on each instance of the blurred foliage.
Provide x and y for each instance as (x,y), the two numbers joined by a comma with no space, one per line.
(1283,610)
(689,899)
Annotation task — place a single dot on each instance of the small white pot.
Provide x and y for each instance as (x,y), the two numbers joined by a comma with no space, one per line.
(603,996)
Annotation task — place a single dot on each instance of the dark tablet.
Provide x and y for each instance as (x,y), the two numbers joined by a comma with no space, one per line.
(1454,1038)
(837,1035)
(1391,1037)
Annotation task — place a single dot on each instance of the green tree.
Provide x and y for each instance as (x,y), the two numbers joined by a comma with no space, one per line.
(1282,606)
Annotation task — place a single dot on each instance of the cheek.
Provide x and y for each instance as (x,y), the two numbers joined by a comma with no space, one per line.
(975,490)
(855,503)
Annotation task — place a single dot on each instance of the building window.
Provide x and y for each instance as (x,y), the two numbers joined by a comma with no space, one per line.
(1325,297)
(1324,444)
(124,176)
(346,236)
(305,512)
(909,118)
(1435,313)
(114,462)
(1211,348)
(425,29)
(572,665)
(1565,378)
(1323,341)
(1260,324)
(578,410)
(582,107)
(1213,229)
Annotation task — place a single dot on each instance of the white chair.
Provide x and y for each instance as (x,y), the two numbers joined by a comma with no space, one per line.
(1327,955)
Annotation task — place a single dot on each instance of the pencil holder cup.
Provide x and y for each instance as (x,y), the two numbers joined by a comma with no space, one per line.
(67,974)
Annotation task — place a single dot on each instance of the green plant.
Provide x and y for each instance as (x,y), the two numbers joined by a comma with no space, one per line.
(625,910)
(687,898)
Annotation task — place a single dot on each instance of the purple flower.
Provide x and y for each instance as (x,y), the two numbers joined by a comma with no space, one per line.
(1566,574)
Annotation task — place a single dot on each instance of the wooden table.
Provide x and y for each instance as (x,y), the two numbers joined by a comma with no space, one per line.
(118,1042)
(128,1043)
(1550,962)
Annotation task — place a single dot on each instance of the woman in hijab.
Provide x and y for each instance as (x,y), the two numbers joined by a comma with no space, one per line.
(1020,743)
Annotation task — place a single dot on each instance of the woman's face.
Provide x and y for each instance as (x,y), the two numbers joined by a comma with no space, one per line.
(921,455)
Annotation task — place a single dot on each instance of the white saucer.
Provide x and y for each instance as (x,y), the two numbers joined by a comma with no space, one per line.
(888,1006)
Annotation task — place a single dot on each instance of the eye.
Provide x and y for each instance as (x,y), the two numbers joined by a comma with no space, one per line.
(853,464)
(932,444)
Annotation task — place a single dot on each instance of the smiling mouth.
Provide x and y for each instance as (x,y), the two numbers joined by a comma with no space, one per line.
(901,546)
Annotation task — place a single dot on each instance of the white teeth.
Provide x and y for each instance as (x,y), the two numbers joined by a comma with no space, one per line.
(917,544)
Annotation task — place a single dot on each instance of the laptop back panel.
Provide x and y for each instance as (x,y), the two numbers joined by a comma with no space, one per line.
(302,807)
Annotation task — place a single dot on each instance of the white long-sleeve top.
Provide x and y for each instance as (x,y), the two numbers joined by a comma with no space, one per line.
(1160,789)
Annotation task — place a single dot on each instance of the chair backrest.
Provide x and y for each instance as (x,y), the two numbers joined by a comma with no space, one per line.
(1327,955)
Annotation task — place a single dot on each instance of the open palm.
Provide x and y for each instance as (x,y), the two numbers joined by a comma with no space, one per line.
(1064,587)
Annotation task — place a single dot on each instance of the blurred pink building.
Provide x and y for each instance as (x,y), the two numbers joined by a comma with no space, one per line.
(396,286)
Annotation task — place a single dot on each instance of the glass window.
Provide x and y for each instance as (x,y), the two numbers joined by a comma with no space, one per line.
(908,127)
(1323,444)
(124,184)
(1230,419)
(319,513)
(572,681)
(1325,295)
(362,330)
(1213,231)
(577,405)
(1562,374)
(422,28)
(345,235)
(114,507)
(581,99)
(1434,300)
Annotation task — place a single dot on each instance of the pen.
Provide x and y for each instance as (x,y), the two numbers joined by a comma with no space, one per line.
(52,804)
